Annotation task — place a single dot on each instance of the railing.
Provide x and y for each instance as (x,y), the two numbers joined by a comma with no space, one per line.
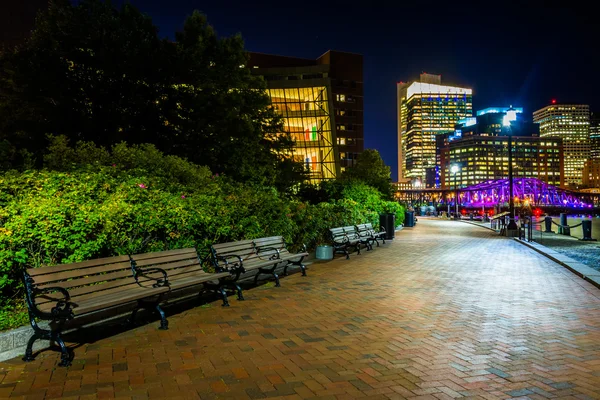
(528,224)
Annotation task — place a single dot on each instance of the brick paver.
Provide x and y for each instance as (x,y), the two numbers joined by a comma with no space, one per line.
(447,310)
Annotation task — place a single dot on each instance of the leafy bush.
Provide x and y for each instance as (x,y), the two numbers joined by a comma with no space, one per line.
(133,199)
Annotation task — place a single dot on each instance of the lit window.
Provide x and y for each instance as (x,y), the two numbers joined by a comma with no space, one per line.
(340,97)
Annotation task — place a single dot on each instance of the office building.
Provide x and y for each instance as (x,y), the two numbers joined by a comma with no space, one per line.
(426,108)
(571,123)
(321,102)
(479,147)
(591,173)
(483,158)
(595,137)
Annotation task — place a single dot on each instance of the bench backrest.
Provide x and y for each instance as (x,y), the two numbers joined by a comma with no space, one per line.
(243,248)
(363,228)
(269,246)
(176,263)
(338,234)
(83,280)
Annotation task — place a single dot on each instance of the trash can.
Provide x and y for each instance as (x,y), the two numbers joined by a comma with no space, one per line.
(409,219)
(388,222)
(324,252)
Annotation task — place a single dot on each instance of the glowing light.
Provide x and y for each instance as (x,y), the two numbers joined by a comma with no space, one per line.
(454,168)
(553,101)
(465,122)
(499,110)
(420,88)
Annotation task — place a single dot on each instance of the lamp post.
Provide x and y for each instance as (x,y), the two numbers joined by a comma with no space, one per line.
(454,169)
(511,228)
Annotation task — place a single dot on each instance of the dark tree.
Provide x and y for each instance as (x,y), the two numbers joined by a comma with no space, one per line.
(371,169)
(94,73)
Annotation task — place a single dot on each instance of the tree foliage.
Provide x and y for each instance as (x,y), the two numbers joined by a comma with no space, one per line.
(95,73)
(371,169)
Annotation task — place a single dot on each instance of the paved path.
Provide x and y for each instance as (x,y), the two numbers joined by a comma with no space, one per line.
(446,310)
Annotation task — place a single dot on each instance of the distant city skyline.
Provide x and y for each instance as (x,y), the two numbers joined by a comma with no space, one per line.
(525,56)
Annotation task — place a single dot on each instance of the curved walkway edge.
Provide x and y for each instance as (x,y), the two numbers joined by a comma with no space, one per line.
(589,274)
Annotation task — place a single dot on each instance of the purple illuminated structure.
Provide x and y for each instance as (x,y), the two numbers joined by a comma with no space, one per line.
(529,191)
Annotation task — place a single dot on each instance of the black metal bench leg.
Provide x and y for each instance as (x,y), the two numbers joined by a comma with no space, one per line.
(285,269)
(303,268)
(65,357)
(347,253)
(164,324)
(221,290)
(240,296)
(29,351)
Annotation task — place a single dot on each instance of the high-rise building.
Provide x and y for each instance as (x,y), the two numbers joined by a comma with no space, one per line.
(571,123)
(483,158)
(426,108)
(321,102)
(591,173)
(595,136)
(479,147)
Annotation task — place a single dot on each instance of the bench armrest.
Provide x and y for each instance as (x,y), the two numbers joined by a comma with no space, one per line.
(145,271)
(62,309)
(273,256)
(336,239)
(237,265)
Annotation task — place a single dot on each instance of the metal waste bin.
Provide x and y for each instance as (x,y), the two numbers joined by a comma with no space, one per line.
(388,222)
(409,219)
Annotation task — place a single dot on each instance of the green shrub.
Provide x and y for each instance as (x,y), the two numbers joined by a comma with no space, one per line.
(134,199)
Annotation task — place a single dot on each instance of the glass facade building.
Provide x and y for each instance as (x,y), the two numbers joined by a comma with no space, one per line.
(321,102)
(571,123)
(426,109)
(307,118)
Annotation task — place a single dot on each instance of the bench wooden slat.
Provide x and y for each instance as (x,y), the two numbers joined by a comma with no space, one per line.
(76,266)
(189,252)
(86,272)
(232,246)
(158,261)
(195,278)
(90,291)
(126,273)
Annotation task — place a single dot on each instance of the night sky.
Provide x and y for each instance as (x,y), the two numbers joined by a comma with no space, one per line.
(508,53)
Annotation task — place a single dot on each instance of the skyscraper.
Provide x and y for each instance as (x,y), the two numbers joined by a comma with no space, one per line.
(426,108)
(571,123)
(595,136)
(479,146)
(321,102)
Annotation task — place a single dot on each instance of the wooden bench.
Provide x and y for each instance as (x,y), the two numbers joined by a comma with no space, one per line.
(367,231)
(63,292)
(346,237)
(262,255)
(277,245)
(184,269)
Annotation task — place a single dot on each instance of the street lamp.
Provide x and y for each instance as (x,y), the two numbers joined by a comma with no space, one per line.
(454,169)
(511,228)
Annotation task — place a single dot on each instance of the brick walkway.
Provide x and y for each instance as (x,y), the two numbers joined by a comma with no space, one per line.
(446,310)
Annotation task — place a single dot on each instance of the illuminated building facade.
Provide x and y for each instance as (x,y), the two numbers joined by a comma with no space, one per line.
(483,158)
(591,173)
(321,102)
(595,137)
(571,123)
(426,108)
